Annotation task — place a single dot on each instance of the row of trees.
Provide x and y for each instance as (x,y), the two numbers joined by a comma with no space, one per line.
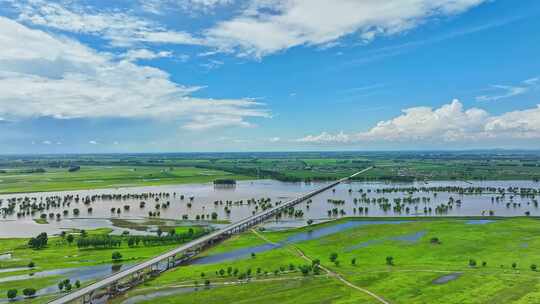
(107,242)
(27,292)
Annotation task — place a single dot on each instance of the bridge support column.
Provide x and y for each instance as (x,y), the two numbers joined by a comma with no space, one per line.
(87,298)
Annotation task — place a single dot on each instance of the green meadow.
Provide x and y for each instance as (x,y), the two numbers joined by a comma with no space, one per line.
(98,177)
(61,254)
(484,263)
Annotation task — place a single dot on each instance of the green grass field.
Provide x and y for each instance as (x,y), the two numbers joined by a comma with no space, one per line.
(59,254)
(417,264)
(102,171)
(96,177)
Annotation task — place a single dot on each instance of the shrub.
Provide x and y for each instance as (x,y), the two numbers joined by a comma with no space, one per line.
(12,294)
(28,292)
(116,256)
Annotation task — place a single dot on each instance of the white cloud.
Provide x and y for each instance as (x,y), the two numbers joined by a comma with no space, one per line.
(158,7)
(325,137)
(122,29)
(205,122)
(46,142)
(212,64)
(507,91)
(449,123)
(42,75)
(274,139)
(93,142)
(269,26)
(133,55)
(263,26)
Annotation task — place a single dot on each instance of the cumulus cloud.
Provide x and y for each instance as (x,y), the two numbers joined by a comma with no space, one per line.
(449,123)
(267,27)
(46,76)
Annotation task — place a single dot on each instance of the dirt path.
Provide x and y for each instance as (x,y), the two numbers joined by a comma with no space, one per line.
(334,274)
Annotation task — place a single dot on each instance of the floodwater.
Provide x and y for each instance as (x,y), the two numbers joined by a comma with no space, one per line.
(447,278)
(295,238)
(205,195)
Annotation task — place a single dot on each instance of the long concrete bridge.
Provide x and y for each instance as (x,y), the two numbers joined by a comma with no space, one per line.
(100,291)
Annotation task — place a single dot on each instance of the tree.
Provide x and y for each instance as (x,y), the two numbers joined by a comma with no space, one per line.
(514,265)
(12,294)
(70,238)
(472,263)
(116,256)
(310,221)
(533,267)
(38,242)
(221,272)
(484,263)
(77,284)
(207,283)
(31,264)
(333,257)
(28,292)
(253,255)
(353,261)
(389,260)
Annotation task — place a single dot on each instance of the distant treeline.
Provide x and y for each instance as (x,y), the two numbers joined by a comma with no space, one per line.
(25,171)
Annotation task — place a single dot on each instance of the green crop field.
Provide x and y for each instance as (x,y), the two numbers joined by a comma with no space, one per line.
(487,263)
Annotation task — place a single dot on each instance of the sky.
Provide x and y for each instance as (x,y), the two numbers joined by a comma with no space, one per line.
(84,76)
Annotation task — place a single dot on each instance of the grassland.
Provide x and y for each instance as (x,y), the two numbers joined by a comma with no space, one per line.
(59,254)
(416,265)
(25,173)
(96,177)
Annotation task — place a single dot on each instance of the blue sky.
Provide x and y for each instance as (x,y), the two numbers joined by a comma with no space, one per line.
(268,75)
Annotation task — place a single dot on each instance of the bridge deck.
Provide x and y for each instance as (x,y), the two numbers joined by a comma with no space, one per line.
(200,242)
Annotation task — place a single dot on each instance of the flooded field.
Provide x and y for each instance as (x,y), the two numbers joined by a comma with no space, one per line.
(89,209)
